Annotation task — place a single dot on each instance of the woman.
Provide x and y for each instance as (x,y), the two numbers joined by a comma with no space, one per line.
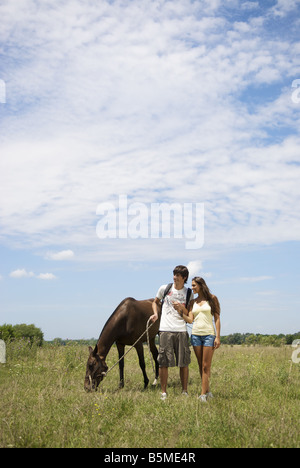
(205,337)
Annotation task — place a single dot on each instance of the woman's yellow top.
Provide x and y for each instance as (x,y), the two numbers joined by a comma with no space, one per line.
(203,319)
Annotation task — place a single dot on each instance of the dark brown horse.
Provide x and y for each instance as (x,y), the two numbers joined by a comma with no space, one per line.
(124,327)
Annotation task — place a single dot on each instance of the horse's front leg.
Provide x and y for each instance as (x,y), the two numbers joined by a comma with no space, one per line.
(121,350)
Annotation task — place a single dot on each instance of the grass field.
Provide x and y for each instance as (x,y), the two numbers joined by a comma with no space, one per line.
(43,404)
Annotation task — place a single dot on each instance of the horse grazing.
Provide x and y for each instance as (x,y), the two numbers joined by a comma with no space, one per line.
(126,324)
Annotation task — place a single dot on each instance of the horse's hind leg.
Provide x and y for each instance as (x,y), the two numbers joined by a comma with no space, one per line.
(140,351)
(121,350)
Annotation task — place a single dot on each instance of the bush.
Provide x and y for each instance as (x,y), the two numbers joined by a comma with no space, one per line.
(6,332)
(21,349)
(22,331)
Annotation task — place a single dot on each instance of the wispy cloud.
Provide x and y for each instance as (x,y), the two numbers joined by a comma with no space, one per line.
(62,255)
(283,7)
(22,273)
(46,276)
(244,279)
(190,102)
(267,293)
(255,279)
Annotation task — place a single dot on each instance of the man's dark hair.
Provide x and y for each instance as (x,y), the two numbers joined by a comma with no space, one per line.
(182,271)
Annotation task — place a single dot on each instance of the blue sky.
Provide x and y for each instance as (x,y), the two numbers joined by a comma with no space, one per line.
(162,102)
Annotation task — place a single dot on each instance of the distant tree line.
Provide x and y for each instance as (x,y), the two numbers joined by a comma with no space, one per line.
(30,333)
(249,339)
(34,335)
(65,342)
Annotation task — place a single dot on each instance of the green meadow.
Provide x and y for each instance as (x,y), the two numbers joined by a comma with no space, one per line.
(43,404)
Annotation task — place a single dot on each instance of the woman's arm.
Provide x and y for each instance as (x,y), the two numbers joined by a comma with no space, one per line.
(218,330)
(187,315)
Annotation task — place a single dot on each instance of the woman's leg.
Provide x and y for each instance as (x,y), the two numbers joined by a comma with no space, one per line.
(199,355)
(207,355)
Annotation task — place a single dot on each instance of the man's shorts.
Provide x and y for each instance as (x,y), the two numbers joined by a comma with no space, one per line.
(174,349)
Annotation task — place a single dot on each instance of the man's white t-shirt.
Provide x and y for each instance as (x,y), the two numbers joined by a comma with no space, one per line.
(170,319)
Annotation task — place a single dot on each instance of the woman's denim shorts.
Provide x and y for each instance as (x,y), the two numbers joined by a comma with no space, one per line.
(205,340)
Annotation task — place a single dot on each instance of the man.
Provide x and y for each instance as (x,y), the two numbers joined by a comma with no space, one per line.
(173,336)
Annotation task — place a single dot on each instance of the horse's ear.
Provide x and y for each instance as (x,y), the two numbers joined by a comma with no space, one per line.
(90,350)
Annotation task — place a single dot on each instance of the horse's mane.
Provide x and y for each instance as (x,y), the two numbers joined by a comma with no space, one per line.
(111,316)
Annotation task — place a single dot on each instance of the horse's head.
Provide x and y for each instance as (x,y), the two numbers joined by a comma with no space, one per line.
(95,370)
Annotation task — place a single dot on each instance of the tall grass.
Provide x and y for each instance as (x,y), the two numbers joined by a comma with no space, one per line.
(43,404)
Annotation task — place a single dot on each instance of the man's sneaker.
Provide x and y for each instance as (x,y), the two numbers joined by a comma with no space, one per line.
(202,398)
(209,395)
(185,393)
(163,396)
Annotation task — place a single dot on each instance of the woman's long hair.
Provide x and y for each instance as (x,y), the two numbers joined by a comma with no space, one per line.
(212,300)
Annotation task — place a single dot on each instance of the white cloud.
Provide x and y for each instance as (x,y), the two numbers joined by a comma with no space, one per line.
(255,279)
(21,273)
(62,255)
(250,5)
(194,267)
(283,7)
(108,101)
(46,276)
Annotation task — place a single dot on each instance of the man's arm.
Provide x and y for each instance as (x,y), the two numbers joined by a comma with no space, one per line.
(155,309)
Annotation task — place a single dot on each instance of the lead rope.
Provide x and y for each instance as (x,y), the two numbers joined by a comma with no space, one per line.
(148,341)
